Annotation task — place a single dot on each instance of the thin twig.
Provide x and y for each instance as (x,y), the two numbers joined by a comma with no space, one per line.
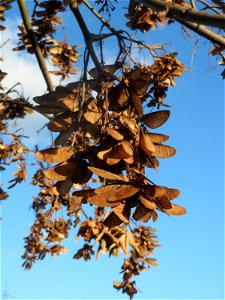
(210,7)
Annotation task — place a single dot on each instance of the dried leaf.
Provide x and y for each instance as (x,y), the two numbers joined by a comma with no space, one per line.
(54,155)
(142,213)
(176,210)
(148,203)
(93,117)
(62,121)
(156,119)
(63,187)
(157,137)
(63,170)
(146,143)
(108,195)
(163,151)
(115,134)
(108,175)
(125,149)
(137,105)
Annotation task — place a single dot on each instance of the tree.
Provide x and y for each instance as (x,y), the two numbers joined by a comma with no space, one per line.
(104,140)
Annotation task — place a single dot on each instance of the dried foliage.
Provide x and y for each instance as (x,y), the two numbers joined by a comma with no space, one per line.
(93,177)
(4,6)
(44,24)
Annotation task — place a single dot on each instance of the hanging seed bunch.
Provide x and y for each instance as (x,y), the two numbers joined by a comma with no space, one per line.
(110,137)
(4,5)
(63,56)
(44,23)
(145,19)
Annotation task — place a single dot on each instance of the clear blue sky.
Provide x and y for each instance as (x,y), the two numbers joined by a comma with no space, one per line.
(191,258)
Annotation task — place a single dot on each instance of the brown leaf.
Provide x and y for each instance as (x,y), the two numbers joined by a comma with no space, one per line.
(156,119)
(153,191)
(125,149)
(54,155)
(62,171)
(146,143)
(108,195)
(104,153)
(142,213)
(119,215)
(148,203)
(176,210)
(93,117)
(112,220)
(163,151)
(63,187)
(62,121)
(115,134)
(108,175)
(70,102)
(137,105)
(158,138)
(164,202)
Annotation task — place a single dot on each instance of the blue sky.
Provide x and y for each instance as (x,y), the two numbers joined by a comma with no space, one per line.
(191,256)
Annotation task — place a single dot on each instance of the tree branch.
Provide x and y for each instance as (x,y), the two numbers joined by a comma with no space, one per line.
(204,31)
(176,11)
(36,48)
(87,35)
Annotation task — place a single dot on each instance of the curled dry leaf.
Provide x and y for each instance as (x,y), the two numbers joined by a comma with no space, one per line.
(156,119)
(55,155)
(63,170)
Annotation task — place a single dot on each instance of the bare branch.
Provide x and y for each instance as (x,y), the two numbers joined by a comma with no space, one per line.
(176,12)
(204,31)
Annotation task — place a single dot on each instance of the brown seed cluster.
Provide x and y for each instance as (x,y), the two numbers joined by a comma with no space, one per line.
(109,137)
(44,23)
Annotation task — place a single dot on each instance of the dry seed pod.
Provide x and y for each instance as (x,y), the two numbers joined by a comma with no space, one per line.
(62,122)
(115,134)
(156,119)
(55,155)
(125,149)
(142,213)
(150,204)
(163,151)
(158,138)
(176,210)
(145,142)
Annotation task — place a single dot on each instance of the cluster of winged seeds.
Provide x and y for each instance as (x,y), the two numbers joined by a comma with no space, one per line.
(110,138)
(44,24)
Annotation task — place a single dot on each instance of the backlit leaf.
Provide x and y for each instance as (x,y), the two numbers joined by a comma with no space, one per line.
(107,175)
(53,155)
(163,151)
(176,210)
(156,119)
